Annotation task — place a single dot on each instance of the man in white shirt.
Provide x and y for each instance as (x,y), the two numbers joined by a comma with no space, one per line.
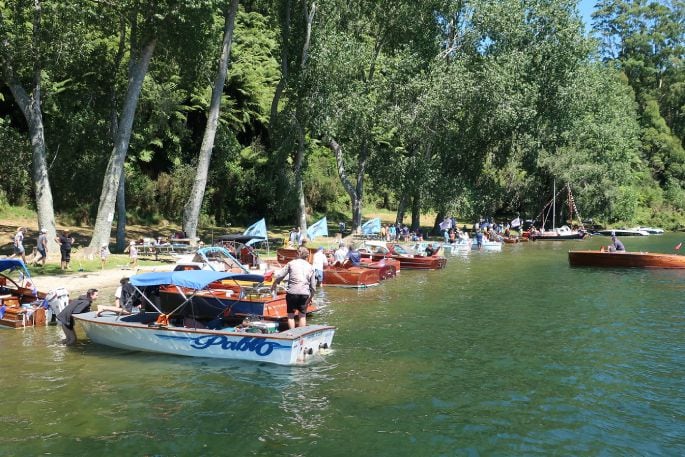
(300,288)
(319,261)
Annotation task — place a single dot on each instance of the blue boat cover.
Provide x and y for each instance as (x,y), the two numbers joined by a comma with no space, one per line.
(14,264)
(194,279)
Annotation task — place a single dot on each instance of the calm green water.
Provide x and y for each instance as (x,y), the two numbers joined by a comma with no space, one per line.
(511,353)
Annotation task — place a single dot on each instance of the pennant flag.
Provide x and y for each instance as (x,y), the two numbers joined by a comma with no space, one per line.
(678,246)
(257,229)
(319,228)
(371,226)
(516,222)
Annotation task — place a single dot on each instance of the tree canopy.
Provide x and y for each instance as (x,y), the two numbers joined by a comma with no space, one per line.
(454,107)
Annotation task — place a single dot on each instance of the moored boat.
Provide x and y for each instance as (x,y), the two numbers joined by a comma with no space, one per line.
(651,230)
(559,234)
(20,302)
(625,259)
(623,232)
(181,332)
(409,259)
(487,245)
(368,274)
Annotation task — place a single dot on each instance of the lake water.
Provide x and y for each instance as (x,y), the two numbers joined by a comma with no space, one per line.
(511,353)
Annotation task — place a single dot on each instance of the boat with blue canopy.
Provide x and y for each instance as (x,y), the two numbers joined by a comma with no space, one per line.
(20,301)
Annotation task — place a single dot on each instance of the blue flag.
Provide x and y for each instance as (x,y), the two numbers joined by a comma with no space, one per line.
(371,226)
(257,229)
(319,228)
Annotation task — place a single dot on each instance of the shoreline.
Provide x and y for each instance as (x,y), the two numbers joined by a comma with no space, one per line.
(78,282)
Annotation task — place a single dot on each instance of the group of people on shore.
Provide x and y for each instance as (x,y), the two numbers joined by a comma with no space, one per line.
(65,241)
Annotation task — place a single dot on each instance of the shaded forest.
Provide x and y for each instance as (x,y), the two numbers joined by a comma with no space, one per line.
(117,111)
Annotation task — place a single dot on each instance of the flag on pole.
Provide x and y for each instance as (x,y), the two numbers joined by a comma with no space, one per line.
(319,228)
(371,226)
(516,222)
(257,229)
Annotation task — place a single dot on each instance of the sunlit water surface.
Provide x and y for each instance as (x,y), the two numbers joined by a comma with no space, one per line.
(511,353)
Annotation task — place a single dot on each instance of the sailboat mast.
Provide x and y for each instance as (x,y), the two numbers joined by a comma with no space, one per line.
(554,205)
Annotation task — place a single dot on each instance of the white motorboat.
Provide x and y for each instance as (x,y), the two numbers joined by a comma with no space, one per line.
(487,245)
(179,333)
(623,232)
(459,247)
(651,230)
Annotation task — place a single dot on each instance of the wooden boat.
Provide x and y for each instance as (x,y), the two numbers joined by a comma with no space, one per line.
(368,274)
(20,302)
(180,332)
(625,259)
(408,258)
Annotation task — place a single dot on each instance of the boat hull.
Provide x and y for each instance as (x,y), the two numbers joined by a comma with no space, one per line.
(495,246)
(414,263)
(369,274)
(291,347)
(625,259)
(553,236)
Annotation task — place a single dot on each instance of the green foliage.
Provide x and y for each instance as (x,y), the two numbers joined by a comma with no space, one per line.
(468,108)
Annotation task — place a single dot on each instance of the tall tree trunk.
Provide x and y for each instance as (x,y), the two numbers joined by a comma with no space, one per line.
(113,127)
(436,224)
(416,211)
(110,185)
(30,106)
(344,179)
(299,159)
(359,190)
(192,208)
(299,186)
(285,38)
(121,212)
(401,208)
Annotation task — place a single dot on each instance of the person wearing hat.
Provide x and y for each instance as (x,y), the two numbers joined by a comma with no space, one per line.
(319,262)
(42,247)
(616,245)
(19,250)
(300,288)
(133,254)
(104,254)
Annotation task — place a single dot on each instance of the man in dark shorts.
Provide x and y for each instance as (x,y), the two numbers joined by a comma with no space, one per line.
(300,288)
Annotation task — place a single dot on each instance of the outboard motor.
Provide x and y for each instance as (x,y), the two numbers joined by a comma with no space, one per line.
(56,300)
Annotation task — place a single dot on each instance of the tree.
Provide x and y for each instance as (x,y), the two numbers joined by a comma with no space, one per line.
(194,204)
(171,21)
(15,44)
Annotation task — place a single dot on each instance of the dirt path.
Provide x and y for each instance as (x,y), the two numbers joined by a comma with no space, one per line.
(78,282)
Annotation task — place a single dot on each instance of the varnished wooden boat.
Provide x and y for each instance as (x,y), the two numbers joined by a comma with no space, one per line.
(625,259)
(367,275)
(20,302)
(408,259)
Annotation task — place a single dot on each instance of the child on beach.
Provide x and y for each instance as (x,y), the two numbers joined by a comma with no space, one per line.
(133,255)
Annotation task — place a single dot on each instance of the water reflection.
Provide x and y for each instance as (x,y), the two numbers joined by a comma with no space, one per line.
(506,354)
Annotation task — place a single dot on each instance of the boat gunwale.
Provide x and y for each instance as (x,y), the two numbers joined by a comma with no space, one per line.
(91,317)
